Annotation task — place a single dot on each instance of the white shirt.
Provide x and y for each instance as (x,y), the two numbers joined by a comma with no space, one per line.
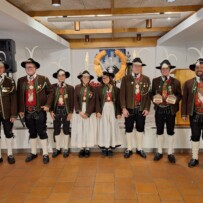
(2,78)
(31,77)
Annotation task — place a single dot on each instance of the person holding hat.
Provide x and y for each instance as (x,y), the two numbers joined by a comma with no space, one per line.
(34,100)
(84,126)
(108,110)
(166,95)
(8,110)
(192,106)
(135,103)
(61,111)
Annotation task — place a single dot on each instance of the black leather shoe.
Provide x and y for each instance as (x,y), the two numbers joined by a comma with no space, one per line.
(46,159)
(87,153)
(193,163)
(1,160)
(11,159)
(81,153)
(66,153)
(127,153)
(104,152)
(141,153)
(158,156)
(30,157)
(56,153)
(110,153)
(172,158)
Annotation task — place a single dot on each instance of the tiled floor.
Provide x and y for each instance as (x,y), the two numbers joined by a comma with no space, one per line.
(101,179)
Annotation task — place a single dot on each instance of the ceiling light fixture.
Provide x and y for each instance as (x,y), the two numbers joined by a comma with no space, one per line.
(87,38)
(149,23)
(139,37)
(170,1)
(77,25)
(56,2)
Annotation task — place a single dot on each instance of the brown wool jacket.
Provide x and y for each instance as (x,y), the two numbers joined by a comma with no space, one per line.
(127,93)
(100,100)
(175,88)
(68,97)
(43,88)
(8,98)
(189,91)
(90,102)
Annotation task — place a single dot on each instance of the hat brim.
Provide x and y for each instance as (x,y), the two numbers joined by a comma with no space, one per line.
(67,74)
(23,64)
(109,74)
(171,67)
(80,76)
(131,63)
(192,67)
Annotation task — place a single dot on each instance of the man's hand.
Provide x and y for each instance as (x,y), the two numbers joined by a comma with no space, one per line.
(45,108)
(125,112)
(184,118)
(52,115)
(12,120)
(83,115)
(69,116)
(145,113)
(118,116)
(22,114)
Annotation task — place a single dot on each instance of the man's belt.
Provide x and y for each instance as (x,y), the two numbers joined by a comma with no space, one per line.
(31,109)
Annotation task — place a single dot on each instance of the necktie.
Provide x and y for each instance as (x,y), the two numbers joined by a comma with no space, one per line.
(31,77)
(165,77)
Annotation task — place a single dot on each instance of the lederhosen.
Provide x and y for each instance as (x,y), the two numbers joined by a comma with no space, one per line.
(163,112)
(61,111)
(196,120)
(135,115)
(35,117)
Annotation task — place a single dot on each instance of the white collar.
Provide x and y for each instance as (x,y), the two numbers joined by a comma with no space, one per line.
(163,77)
(198,79)
(34,76)
(59,84)
(137,76)
(2,76)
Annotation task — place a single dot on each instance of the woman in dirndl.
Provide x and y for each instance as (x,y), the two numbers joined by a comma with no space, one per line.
(84,127)
(108,110)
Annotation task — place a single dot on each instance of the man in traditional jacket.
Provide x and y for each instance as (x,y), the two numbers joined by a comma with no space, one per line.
(34,100)
(135,103)
(8,110)
(192,106)
(61,111)
(166,95)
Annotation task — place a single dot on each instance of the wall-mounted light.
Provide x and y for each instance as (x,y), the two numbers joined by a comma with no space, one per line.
(87,38)
(139,37)
(77,25)
(56,2)
(149,23)
(170,1)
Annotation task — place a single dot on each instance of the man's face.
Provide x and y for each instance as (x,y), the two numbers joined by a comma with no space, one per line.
(165,71)
(199,70)
(30,69)
(136,68)
(61,77)
(85,79)
(2,69)
(106,79)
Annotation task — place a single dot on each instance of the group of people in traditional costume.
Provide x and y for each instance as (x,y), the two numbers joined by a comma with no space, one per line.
(95,111)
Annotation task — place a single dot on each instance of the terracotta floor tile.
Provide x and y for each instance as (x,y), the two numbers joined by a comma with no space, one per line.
(34,200)
(190,190)
(146,188)
(124,173)
(126,201)
(105,177)
(170,194)
(62,187)
(58,197)
(40,192)
(193,199)
(103,198)
(83,200)
(124,194)
(85,181)
(149,199)
(46,181)
(82,192)
(104,188)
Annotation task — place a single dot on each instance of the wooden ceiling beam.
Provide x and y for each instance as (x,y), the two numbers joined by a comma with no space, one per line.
(109,31)
(109,43)
(138,10)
